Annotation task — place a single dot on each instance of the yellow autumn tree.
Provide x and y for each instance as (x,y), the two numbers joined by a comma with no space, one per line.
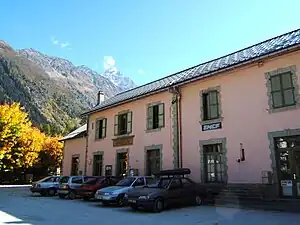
(20,143)
(50,156)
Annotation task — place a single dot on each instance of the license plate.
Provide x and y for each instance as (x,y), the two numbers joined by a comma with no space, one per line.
(98,197)
(105,197)
(131,201)
(63,191)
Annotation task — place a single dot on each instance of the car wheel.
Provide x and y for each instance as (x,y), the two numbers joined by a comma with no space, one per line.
(61,196)
(120,201)
(51,192)
(198,200)
(134,207)
(158,205)
(72,195)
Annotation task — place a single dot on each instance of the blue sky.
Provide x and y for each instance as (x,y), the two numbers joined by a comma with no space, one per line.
(145,40)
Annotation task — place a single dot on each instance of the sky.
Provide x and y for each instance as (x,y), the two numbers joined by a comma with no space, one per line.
(144,39)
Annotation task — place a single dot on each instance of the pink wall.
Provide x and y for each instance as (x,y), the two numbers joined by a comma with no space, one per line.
(244,103)
(73,147)
(141,139)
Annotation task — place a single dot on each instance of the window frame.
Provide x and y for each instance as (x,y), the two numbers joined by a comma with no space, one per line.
(103,128)
(207,105)
(160,117)
(281,71)
(128,127)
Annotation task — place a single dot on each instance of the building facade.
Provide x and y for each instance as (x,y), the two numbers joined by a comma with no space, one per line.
(230,120)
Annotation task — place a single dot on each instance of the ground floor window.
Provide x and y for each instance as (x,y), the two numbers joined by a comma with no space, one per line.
(153,161)
(122,163)
(214,163)
(97,165)
(75,166)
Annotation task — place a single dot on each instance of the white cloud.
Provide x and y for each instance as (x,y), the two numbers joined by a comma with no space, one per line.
(109,62)
(61,44)
(140,71)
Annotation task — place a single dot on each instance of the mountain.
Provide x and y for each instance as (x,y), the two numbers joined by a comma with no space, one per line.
(52,89)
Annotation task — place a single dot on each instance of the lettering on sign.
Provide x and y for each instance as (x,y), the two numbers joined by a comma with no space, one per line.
(212,126)
(122,141)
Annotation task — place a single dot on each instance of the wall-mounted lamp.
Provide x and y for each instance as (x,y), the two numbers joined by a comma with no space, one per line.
(242,154)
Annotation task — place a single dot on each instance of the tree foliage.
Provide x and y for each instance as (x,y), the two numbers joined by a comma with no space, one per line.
(21,144)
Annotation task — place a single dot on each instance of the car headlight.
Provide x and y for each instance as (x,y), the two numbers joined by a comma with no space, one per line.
(144,197)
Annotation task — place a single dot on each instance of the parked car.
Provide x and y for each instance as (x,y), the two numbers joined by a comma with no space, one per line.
(171,188)
(115,194)
(88,188)
(68,186)
(46,186)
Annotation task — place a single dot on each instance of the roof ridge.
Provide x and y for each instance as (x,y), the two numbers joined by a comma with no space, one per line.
(223,56)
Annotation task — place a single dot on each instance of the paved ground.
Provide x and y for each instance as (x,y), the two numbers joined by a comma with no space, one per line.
(18,206)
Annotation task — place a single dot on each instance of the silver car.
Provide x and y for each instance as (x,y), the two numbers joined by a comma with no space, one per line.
(116,194)
(68,186)
(46,186)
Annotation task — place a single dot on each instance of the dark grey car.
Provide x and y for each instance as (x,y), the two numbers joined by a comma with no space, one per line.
(68,186)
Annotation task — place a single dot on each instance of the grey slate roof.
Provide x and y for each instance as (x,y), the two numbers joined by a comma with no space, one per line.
(75,133)
(234,59)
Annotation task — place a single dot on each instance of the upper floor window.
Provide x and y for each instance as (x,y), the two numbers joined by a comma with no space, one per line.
(155,116)
(101,128)
(123,123)
(210,105)
(282,90)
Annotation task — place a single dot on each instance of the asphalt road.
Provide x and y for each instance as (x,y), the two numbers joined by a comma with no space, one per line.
(18,206)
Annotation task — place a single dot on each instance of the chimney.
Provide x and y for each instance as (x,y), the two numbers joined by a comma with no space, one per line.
(100,97)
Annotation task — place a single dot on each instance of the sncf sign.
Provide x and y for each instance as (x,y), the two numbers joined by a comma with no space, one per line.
(212,126)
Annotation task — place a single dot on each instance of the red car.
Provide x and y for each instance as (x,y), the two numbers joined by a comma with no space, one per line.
(88,189)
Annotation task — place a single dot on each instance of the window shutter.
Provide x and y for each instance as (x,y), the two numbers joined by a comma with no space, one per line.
(161,115)
(97,130)
(129,122)
(116,126)
(149,118)
(104,128)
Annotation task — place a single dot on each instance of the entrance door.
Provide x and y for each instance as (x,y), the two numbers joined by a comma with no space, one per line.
(288,162)
(152,162)
(74,166)
(122,163)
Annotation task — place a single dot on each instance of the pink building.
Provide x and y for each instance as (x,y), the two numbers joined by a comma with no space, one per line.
(232,120)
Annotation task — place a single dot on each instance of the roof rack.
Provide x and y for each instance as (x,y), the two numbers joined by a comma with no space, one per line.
(174,172)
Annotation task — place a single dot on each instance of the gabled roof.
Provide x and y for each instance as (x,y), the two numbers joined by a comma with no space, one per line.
(247,55)
(76,133)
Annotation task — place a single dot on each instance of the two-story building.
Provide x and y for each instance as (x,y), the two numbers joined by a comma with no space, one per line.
(234,119)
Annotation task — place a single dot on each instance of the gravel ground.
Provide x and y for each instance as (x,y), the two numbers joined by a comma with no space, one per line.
(18,206)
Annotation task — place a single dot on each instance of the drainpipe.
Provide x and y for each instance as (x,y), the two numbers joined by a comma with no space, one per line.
(86,146)
(176,91)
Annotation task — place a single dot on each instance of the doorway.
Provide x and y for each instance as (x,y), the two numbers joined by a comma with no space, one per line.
(153,161)
(288,164)
(122,164)
(75,165)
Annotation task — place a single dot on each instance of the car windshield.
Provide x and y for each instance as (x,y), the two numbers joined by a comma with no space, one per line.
(64,179)
(126,181)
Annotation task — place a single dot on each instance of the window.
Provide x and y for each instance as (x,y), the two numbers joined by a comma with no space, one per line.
(155,116)
(175,184)
(282,90)
(75,166)
(139,182)
(210,104)
(214,163)
(101,128)
(152,161)
(97,165)
(77,180)
(186,182)
(150,180)
(123,123)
